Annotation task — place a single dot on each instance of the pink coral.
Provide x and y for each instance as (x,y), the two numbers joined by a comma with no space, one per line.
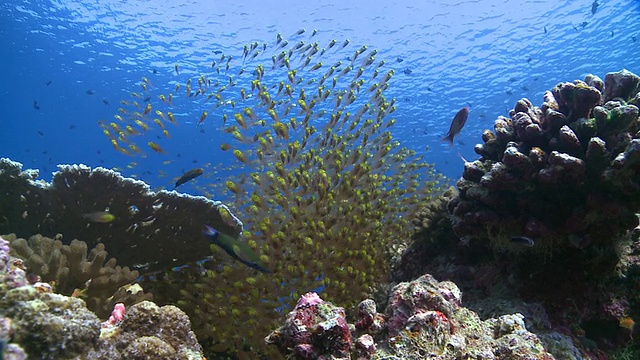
(116,315)
(424,302)
(315,329)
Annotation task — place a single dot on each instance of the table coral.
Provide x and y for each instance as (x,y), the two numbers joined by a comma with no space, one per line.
(564,174)
(148,232)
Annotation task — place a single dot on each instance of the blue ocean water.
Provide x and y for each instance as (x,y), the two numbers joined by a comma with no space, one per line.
(67,64)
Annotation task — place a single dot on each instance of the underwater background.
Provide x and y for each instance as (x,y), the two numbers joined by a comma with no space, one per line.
(73,57)
(320,129)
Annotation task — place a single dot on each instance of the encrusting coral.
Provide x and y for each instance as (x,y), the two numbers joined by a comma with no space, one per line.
(40,324)
(147,331)
(424,319)
(564,174)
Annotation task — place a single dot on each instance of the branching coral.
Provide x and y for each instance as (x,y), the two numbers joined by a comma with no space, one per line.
(73,269)
(53,326)
(564,174)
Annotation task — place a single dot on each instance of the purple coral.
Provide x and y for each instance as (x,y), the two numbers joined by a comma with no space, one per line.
(315,329)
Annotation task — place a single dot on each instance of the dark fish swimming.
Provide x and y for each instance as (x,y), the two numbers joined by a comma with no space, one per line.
(188,176)
(594,7)
(523,240)
(238,250)
(456,124)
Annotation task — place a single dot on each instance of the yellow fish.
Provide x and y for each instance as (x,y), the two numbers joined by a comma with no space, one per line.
(99,217)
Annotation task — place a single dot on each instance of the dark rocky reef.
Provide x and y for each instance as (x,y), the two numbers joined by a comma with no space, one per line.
(566,174)
(151,230)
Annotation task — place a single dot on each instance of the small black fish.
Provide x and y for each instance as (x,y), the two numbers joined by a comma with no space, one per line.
(105,101)
(48,82)
(154,71)
(189,175)
(584,23)
(147,99)
(594,7)
(545,29)
(634,38)
(399,59)
(40,133)
(612,33)
(72,126)
(217,52)
(456,124)
(36,105)
(523,240)
(407,71)
(90,92)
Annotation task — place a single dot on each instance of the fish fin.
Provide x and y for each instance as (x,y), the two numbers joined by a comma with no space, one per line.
(462,157)
(449,139)
(209,231)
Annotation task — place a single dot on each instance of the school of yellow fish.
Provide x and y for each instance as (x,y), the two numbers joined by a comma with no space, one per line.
(325,192)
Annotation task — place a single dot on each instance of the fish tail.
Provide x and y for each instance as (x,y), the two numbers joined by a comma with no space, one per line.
(449,139)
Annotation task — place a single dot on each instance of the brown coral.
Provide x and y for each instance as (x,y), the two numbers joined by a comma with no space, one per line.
(72,267)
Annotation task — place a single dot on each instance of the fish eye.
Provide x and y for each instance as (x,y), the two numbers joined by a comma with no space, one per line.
(133,210)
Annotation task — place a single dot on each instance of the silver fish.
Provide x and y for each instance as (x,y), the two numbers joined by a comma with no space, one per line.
(523,240)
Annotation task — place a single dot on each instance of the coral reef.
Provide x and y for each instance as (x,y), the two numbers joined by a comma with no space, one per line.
(424,319)
(150,231)
(46,325)
(146,331)
(315,329)
(72,268)
(49,325)
(564,174)
(432,219)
